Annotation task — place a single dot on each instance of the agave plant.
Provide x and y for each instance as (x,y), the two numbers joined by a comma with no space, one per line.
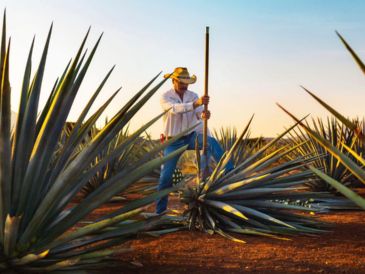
(338,135)
(114,165)
(343,158)
(137,150)
(260,196)
(246,146)
(41,171)
(355,164)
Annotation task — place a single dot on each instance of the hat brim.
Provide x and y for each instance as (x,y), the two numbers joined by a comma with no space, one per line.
(188,81)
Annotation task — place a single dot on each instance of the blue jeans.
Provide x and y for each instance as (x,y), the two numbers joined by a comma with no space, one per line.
(167,169)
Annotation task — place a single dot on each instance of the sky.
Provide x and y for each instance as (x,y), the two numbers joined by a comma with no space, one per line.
(260,53)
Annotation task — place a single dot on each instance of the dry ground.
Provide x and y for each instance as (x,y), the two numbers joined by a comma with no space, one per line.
(340,251)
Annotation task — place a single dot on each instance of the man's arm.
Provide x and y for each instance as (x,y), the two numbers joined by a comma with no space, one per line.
(168,102)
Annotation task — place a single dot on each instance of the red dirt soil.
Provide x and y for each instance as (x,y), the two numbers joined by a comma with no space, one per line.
(340,251)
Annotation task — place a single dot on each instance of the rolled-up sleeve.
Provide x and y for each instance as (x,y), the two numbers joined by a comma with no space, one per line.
(168,102)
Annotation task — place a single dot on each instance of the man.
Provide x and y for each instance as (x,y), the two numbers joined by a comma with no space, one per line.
(186,111)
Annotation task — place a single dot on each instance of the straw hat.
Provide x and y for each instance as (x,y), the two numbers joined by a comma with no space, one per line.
(182,75)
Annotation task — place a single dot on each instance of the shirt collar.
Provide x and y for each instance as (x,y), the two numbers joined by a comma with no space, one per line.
(186,94)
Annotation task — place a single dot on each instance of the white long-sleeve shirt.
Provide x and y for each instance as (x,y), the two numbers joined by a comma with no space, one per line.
(182,114)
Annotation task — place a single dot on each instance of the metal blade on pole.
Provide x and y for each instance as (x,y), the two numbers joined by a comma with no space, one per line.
(205,129)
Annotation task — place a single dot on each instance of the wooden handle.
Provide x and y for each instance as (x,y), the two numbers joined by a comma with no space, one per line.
(205,129)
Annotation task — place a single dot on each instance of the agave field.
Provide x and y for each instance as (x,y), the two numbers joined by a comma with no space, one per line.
(73,197)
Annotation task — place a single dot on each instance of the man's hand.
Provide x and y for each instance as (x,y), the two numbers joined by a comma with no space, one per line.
(204,100)
(205,114)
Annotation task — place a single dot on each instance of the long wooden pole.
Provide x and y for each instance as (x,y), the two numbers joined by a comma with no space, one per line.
(205,129)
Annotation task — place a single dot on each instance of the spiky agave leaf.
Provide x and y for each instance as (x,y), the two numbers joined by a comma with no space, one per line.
(111,167)
(39,177)
(340,187)
(132,154)
(350,124)
(352,52)
(246,146)
(251,199)
(356,166)
(342,157)
(335,133)
(357,150)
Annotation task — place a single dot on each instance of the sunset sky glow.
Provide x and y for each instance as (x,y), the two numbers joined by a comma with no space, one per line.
(261,52)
